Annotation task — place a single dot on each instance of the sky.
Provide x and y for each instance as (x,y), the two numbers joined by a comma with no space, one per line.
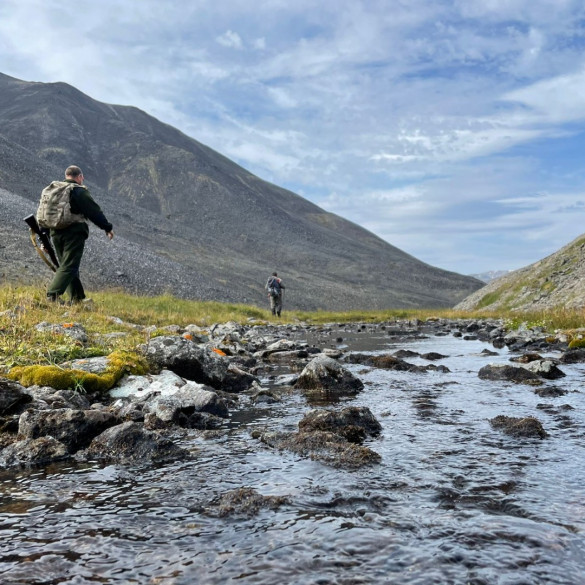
(452,129)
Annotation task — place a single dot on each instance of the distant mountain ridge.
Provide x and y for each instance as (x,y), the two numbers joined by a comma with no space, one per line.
(490,275)
(209,228)
(555,281)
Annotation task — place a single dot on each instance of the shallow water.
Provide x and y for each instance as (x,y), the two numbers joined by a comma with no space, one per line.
(453,501)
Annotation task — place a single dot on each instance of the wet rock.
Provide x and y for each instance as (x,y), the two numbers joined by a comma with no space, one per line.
(507,373)
(527,358)
(573,356)
(545,369)
(129,442)
(192,398)
(13,396)
(326,374)
(550,392)
(353,423)
(243,502)
(391,362)
(405,353)
(327,447)
(488,352)
(74,428)
(528,427)
(433,355)
(28,452)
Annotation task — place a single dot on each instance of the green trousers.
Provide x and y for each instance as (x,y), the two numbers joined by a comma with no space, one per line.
(69,245)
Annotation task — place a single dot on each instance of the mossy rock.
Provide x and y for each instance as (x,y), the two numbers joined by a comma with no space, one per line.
(575,343)
(119,364)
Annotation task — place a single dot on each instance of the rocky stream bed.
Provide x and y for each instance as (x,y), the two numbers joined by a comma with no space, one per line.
(403,452)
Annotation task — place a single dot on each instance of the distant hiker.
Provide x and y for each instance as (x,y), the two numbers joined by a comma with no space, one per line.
(275,290)
(64,208)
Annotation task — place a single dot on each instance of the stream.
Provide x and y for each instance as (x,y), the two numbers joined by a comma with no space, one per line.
(453,501)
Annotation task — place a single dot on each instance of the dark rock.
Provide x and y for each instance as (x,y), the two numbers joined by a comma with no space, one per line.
(353,423)
(326,374)
(40,451)
(74,428)
(243,502)
(13,396)
(323,446)
(130,442)
(509,374)
(550,392)
(573,356)
(528,427)
(433,355)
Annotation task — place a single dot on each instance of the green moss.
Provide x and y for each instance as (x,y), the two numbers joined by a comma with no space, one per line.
(574,343)
(119,363)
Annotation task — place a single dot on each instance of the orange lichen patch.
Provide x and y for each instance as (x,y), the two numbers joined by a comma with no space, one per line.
(68,325)
(218,351)
(188,336)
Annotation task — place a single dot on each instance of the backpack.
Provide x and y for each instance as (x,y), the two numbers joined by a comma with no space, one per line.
(274,288)
(55,207)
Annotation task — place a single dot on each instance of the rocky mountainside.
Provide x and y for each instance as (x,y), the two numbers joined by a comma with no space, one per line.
(188,220)
(555,281)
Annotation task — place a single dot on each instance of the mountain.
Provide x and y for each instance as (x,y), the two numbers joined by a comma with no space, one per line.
(555,281)
(187,219)
(490,275)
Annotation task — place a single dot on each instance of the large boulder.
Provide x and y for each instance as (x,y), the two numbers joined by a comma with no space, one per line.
(74,428)
(324,374)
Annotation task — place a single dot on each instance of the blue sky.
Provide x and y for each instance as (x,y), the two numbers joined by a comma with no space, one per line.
(452,129)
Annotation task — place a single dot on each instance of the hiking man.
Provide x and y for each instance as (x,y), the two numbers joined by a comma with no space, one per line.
(64,208)
(275,290)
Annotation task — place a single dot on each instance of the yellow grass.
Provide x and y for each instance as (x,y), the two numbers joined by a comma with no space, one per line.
(25,307)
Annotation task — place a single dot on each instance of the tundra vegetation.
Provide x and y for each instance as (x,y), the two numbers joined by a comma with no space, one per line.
(116,323)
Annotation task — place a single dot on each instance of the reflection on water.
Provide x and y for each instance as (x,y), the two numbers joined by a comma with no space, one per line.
(453,501)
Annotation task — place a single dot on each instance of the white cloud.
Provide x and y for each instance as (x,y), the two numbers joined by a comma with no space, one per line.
(436,124)
(230,39)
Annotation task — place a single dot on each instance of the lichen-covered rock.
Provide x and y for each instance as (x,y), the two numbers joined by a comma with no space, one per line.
(504,372)
(129,442)
(353,423)
(528,427)
(28,452)
(199,364)
(188,399)
(326,374)
(545,369)
(139,387)
(74,428)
